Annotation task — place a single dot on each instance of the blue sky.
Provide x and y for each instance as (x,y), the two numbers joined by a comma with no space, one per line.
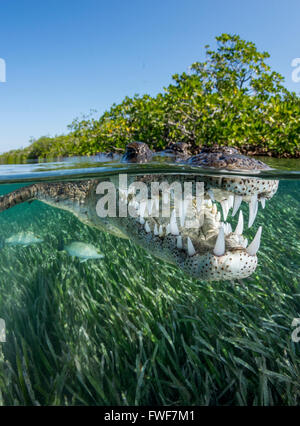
(66,57)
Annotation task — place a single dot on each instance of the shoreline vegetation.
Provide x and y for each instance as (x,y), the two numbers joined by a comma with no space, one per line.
(233,98)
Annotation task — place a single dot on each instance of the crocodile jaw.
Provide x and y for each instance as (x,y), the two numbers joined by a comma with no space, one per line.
(195,249)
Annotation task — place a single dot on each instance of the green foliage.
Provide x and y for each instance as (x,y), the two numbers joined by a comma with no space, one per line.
(232,98)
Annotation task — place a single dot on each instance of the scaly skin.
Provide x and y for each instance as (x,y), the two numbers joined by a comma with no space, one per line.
(194,248)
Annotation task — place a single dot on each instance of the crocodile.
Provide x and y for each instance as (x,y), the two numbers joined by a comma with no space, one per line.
(195,235)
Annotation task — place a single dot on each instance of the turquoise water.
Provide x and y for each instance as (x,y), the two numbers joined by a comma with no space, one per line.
(131,328)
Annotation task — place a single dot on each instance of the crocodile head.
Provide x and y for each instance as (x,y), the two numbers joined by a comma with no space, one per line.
(195,233)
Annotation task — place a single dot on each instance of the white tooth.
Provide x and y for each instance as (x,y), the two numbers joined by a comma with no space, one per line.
(149,207)
(252,210)
(182,213)
(182,220)
(180,207)
(263,202)
(142,220)
(173,224)
(227,228)
(147,227)
(198,204)
(190,247)
(225,209)
(186,204)
(230,201)
(254,246)
(208,203)
(168,229)
(214,209)
(154,207)
(211,194)
(160,231)
(218,217)
(157,203)
(155,229)
(219,249)
(165,197)
(237,202)
(179,242)
(245,243)
(143,205)
(240,225)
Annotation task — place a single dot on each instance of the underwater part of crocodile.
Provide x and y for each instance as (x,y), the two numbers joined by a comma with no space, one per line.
(208,250)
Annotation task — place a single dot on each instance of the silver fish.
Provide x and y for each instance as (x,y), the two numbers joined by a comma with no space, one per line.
(23,239)
(83,251)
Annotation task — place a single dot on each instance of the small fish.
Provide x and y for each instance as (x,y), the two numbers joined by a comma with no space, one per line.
(23,239)
(83,251)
